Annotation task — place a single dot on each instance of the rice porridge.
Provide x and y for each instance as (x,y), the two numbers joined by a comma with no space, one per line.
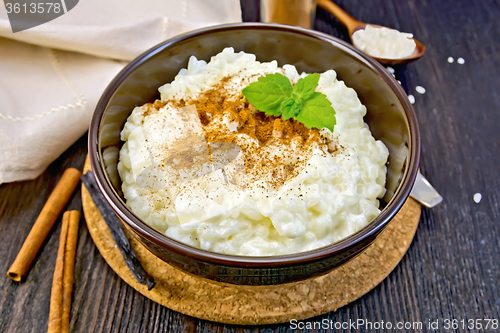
(280,187)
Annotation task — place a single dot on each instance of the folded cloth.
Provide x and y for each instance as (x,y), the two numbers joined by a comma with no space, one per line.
(49,87)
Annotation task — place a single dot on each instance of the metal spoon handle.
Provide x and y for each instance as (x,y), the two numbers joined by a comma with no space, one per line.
(424,193)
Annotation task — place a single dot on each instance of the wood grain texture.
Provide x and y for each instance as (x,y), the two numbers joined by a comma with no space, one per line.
(452,269)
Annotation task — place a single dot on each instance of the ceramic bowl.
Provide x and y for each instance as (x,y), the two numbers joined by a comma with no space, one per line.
(390,117)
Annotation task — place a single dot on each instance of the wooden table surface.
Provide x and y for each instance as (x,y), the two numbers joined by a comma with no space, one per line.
(452,269)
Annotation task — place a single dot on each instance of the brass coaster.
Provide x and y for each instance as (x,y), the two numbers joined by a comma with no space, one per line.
(254,305)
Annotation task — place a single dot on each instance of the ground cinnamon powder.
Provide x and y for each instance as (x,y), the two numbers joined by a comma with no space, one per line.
(218,103)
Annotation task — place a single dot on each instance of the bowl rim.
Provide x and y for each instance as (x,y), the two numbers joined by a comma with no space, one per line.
(170,244)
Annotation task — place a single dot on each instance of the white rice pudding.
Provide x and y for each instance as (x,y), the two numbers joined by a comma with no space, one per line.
(295,192)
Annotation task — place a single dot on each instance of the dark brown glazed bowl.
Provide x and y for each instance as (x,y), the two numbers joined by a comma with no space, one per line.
(390,117)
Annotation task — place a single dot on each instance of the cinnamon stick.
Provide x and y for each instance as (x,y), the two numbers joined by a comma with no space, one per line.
(62,283)
(69,267)
(56,295)
(43,224)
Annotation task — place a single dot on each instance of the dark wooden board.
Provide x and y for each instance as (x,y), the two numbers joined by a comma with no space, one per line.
(452,269)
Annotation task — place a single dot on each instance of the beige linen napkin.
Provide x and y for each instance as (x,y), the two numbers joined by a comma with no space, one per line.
(47,95)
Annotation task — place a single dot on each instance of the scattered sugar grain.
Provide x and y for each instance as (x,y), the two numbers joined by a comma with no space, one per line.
(477,197)
(391,70)
(420,90)
(450,60)
(412,99)
(399,81)
(461,61)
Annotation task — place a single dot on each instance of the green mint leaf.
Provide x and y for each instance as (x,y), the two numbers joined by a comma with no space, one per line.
(318,112)
(297,98)
(275,95)
(268,92)
(289,108)
(305,87)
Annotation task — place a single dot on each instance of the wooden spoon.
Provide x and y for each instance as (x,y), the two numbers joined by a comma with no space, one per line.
(354,25)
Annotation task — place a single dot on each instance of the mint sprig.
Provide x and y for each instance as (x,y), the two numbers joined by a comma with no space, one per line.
(275,95)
